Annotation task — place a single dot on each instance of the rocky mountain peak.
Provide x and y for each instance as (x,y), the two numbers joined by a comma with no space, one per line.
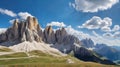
(60,35)
(28,35)
(49,35)
(32,23)
(88,43)
(15,24)
(30,30)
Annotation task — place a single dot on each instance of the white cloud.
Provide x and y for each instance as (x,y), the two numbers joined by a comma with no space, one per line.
(58,24)
(116,28)
(21,15)
(106,29)
(109,35)
(95,37)
(106,39)
(116,34)
(2,30)
(93,5)
(8,12)
(76,33)
(96,22)
(12,21)
(95,33)
(104,24)
(24,15)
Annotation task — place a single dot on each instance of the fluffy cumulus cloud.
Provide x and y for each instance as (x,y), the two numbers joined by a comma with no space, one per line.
(2,30)
(24,15)
(95,37)
(21,15)
(76,33)
(116,34)
(8,12)
(107,35)
(105,25)
(106,29)
(116,28)
(11,21)
(58,24)
(96,23)
(105,39)
(93,5)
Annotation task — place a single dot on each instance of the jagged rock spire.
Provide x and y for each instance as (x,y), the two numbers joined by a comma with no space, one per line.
(60,35)
(49,35)
(30,30)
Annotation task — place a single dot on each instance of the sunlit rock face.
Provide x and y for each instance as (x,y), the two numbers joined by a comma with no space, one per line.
(30,30)
(60,35)
(49,35)
(20,31)
(27,35)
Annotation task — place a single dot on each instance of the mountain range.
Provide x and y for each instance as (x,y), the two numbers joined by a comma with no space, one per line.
(110,52)
(27,35)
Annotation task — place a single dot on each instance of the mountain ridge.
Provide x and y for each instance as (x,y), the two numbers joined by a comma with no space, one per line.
(29,30)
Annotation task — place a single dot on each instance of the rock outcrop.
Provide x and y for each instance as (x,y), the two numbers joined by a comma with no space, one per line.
(60,35)
(28,30)
(3,37)
(107,51)
(64,41)
(88,43)
(49,35)
(86,55)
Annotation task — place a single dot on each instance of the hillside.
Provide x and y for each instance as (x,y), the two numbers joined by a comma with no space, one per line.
(39,59)
(29,43)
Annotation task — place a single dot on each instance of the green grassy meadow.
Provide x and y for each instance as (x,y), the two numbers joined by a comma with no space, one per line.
(44,60)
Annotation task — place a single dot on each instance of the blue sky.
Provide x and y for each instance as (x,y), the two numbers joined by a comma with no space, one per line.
(55,10)
(70,12)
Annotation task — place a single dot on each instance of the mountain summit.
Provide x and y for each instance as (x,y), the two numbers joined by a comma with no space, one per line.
(27,35)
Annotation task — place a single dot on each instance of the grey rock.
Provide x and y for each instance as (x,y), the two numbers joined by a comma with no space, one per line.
(3,37)
(88,43)
(60,35)
(49,35)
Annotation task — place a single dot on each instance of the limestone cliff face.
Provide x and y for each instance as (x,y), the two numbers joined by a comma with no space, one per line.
(49,35)
(30,30)
(64,42)
(60,35)
(3,37)
(12,32)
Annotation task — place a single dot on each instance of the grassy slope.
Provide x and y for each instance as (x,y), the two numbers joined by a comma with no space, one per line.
(5,49)
(45,60)
(14,55)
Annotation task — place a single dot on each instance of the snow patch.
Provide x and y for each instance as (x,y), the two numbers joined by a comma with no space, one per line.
(77,45)
(91,49)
